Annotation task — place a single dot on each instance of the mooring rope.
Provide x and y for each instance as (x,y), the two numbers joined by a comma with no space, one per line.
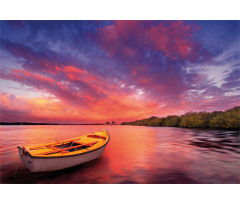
(18,162)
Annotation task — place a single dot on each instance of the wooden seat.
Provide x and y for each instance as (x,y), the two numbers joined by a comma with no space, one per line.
(97,136)
(53,148)
(64,149)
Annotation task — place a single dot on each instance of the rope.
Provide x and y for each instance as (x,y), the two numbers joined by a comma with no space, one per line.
(18,162)
(71,144)
(77,140)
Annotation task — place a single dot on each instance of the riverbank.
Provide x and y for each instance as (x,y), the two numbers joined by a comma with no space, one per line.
(229,119)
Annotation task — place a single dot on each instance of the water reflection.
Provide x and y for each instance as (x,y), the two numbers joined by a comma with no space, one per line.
(218,141)
(133,155)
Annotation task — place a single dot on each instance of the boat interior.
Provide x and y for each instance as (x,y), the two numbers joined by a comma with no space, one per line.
(72,146)
(78,145)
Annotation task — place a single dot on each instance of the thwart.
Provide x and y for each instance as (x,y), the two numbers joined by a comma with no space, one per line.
(64,154)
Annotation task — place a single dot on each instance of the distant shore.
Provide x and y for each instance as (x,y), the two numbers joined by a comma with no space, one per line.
(28,123)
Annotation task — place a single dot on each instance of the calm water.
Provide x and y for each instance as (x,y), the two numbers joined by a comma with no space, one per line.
(133,155)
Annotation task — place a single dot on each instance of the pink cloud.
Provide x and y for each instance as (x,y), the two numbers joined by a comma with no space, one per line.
(173,38)
(81,105)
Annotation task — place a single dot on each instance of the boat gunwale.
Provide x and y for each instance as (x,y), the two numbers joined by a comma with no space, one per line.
(63,156)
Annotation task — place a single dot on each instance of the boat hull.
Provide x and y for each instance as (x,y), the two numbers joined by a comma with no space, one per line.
(38,164)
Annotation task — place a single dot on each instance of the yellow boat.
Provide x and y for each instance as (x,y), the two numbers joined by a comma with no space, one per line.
(65,153)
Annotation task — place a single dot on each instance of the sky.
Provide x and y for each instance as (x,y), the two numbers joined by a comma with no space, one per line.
(98,71)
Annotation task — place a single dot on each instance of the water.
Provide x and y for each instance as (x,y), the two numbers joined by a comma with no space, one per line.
(133,155)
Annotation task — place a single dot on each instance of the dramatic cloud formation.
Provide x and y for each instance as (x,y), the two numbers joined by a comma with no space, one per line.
(97,71)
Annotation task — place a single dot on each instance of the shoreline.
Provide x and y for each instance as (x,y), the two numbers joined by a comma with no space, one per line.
(24,123)
(196,128)
(193,128)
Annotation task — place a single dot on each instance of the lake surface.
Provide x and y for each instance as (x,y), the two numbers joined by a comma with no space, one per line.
(133,155)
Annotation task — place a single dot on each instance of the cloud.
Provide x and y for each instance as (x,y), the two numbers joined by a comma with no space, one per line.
(118,70)
(232,80)
(132,39)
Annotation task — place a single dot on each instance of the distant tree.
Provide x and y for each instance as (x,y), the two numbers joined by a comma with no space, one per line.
(172,121)
(156,122)
(113,122)
(107,123)
(185,119)
(218,121)
(195,120)
(230,119)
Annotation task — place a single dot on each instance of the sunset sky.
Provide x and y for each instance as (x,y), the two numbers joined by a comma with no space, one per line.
(98,71)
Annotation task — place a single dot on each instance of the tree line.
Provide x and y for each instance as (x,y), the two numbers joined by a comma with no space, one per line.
(229,119)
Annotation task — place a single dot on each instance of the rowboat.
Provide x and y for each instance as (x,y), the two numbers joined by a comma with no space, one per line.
(65,153)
